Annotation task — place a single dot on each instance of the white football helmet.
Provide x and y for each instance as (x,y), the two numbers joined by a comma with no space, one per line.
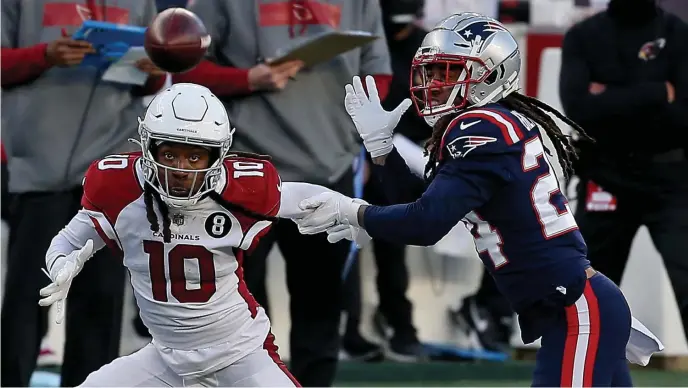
(484,59)
(188,114)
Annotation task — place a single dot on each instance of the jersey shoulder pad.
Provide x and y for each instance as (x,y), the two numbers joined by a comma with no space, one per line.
(253,183)
(485,130)
(110,184)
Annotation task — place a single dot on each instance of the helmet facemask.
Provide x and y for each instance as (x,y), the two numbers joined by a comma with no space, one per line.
(157,175)
(440,84)
(468,60)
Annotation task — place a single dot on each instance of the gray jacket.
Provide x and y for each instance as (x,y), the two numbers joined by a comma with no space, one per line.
(54,126)
(303,127)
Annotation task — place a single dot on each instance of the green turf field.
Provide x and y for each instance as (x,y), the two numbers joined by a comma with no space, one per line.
(510,374)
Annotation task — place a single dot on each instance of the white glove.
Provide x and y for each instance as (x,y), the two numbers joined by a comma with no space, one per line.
(326,210)
(342,231)
(373,123)
(62,272)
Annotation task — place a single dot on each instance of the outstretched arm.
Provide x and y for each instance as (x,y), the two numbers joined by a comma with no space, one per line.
(458,188)
(475,164)
(292,194)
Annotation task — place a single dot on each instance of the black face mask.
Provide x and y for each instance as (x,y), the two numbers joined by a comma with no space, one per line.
(632,12)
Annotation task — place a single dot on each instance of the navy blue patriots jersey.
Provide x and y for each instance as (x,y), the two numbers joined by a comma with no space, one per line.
(493,175)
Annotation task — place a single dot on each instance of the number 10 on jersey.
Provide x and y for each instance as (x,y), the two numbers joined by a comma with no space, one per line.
(176,259)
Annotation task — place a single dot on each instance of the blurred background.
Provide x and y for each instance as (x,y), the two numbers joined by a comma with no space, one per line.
(438,321)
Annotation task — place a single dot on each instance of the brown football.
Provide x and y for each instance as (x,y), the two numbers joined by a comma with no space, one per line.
(176,40)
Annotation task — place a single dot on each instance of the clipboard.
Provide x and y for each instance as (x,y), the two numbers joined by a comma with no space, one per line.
(123,70)
(324,47)
(110,40)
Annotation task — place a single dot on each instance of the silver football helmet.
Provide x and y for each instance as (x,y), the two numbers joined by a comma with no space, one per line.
(188,114)
(467,60)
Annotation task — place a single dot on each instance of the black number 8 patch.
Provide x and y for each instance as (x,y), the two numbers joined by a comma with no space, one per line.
(218,225)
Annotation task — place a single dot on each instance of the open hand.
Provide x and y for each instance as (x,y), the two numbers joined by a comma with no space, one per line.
(372,121)
(62,272)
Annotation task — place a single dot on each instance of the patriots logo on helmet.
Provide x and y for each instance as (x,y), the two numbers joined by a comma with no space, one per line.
(480,29)
(462,145)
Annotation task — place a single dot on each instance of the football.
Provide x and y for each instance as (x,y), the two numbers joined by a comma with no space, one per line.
(176,40)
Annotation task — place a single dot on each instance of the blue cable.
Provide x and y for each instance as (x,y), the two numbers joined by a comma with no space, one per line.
(359,164)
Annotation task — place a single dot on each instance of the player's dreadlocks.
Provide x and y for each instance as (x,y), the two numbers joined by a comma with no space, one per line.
(150,195)
(530,107)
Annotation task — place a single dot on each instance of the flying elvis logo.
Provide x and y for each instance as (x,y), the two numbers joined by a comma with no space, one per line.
(462,145)
(479,31)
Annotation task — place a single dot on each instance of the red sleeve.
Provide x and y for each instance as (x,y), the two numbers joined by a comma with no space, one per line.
(383,81)
(3,154)
(273,190)
(152,86)
(20,65)
(272,196)
(225,81)
(255,185)
(110,184)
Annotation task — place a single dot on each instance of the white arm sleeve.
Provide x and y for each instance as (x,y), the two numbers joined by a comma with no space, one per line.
(292,194)
(73,237)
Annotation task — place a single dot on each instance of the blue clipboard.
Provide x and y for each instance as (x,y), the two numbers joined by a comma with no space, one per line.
(110,41)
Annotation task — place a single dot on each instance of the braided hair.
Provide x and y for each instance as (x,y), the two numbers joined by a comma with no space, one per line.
(151,196)
(530,107)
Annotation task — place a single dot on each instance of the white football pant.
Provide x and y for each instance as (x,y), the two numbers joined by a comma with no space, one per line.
(146,368)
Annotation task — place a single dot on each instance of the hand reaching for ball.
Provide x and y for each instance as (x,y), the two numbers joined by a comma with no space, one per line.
(269,78)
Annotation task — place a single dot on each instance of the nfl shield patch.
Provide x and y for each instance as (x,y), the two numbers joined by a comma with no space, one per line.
(178,219)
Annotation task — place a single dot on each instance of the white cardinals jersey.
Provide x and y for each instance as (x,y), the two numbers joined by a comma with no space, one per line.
(190,292)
